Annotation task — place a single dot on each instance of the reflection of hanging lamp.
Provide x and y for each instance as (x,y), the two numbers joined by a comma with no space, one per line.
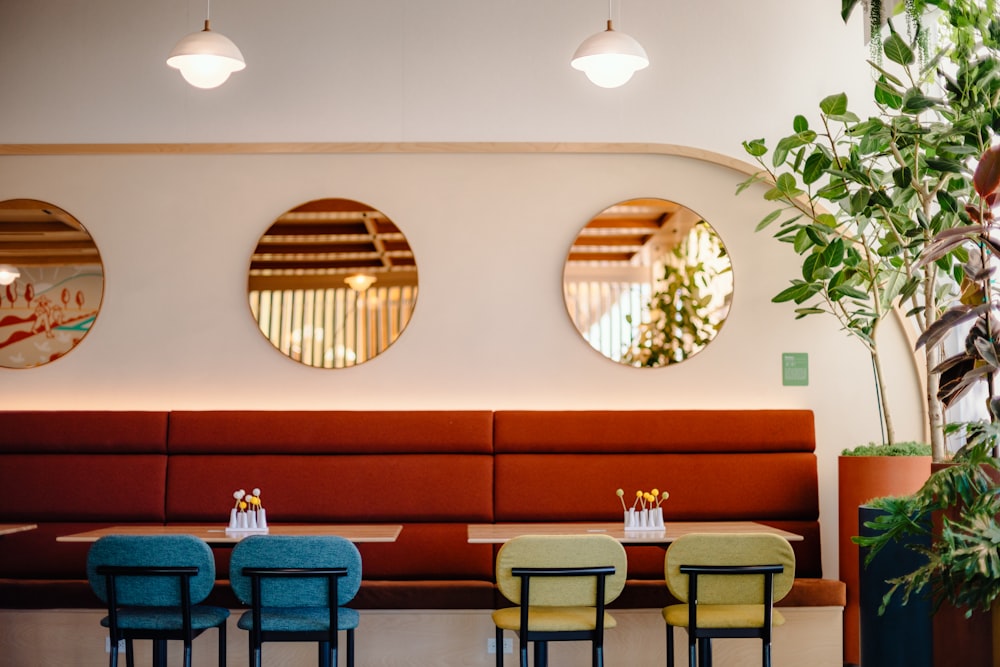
(610,58)
(206,58)
(8,274)
(359,282)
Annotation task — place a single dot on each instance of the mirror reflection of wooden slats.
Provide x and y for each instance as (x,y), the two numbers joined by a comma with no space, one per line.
(297,289)
(633,261)
(35,233)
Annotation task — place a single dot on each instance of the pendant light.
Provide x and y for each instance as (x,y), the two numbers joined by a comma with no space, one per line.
(206,58)
(8,274)
(359,282)
(610,58)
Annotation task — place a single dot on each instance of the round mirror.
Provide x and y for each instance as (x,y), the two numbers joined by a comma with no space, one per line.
(648,283)
(333,283)
(51,283)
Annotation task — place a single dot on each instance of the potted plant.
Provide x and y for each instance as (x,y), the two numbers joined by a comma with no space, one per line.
(860,199)
(953,517)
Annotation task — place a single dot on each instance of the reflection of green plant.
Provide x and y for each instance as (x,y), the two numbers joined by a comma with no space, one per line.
(689,305)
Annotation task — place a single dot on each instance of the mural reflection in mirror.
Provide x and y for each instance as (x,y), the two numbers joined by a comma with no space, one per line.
(51,283)
(648,283)
(332,283)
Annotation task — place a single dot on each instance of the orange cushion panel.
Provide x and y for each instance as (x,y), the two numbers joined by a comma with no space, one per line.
(35,554)
(428,551)
(82,432)
(567,487)
(360,488)
(121,487)
(697,431)
(332,432)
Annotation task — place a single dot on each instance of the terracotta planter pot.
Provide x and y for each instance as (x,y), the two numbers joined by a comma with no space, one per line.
(859,479)
(960,641)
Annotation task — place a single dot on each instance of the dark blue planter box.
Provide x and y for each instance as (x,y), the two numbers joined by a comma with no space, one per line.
(902,635)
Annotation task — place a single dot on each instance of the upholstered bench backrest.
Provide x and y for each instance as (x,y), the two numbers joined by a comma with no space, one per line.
(755,465)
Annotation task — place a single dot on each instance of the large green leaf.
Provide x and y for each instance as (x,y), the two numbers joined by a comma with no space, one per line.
(815,166)
(887,94)
(790,143)
(914,101)
(897,50)
(755,147)
(798,292)
(787,185)
(834,105)
(768,219)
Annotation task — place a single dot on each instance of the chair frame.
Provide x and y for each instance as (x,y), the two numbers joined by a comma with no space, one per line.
(159,637)
(701,638)
(329,643)
(541,638)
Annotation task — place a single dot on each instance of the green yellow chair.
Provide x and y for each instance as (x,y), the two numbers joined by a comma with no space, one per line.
(152,586)
(727,585)
(560,584)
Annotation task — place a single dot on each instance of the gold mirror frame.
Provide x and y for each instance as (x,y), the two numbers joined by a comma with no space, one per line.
(51,283)
(332,283)
(648,283)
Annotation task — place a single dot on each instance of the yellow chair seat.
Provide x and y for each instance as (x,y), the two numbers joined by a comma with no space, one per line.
(718,616)
(551,619)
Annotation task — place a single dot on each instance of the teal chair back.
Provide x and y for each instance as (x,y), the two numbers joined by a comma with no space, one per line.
(295,552)
(151,551)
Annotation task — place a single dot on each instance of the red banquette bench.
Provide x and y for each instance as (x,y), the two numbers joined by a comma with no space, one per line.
(431,471)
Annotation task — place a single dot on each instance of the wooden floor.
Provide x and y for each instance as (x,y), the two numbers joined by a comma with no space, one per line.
(74,638)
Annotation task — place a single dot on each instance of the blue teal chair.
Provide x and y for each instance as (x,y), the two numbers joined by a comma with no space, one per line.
(727,586)
(153,587)
(296,588)
(560,584)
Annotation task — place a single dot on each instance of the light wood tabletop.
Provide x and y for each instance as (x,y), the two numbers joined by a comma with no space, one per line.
(217,534)
(497,533)
(10,528)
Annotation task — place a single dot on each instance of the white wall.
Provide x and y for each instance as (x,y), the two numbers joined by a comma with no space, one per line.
(490,231)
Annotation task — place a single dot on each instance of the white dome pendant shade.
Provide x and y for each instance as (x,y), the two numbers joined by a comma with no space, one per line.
(610,58)
(206,58)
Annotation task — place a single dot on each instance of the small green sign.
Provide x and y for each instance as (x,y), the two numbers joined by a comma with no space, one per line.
(795,369)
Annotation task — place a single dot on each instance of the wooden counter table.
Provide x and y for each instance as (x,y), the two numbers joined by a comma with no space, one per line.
(11,528)
(497,533)
(216,534)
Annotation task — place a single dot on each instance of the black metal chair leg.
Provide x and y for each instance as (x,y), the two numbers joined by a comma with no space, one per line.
(598,658)
(670,646)
(324,654)
(113,653)
(705,652)
(767,654)
(541,654)
(499,651)
(222,645)
(159,653)
(350,648)
(187,654)
(129,653)
(523,646)
(254,651)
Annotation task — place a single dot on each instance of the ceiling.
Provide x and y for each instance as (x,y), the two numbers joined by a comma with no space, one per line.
(630,234)
(34,233)
(320,243)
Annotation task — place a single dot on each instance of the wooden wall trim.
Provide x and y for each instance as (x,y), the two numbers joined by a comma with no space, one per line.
(378,147)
